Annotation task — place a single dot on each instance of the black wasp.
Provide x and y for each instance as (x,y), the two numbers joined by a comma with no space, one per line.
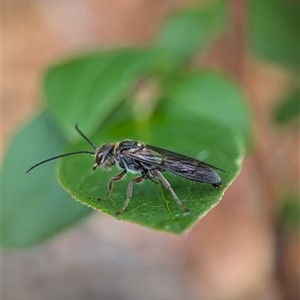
(149,161)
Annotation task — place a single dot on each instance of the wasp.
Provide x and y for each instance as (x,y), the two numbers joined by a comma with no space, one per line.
(149,161)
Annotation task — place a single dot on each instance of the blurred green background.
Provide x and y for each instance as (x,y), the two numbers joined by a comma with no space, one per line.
(209,79)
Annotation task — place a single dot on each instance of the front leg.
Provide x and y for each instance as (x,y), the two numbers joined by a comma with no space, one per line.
(109,188)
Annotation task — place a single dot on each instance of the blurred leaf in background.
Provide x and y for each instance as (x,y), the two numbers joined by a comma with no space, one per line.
(88,88)
(188,31)
(288,110)
(213,97)
(289,217)
(274,36)
(34,208)
(274,30)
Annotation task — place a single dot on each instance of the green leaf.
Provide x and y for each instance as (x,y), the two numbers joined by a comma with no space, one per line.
(87,89)
(187,31)
(274,30)
(211,96)
(175,128)
(288,109)
(34,206)
(289,212)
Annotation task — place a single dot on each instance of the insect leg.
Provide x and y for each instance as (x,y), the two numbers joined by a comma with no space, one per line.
(115,178)
(167,185)
(129,192)
(147,176)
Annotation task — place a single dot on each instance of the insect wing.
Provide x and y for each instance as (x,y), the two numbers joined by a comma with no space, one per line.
(147,155)
(177,164)
(188,167)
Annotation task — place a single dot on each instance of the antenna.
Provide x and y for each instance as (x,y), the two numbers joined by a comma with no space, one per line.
(85,137)
(67,154)
(58,156)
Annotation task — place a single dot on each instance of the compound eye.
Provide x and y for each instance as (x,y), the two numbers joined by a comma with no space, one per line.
(98,159)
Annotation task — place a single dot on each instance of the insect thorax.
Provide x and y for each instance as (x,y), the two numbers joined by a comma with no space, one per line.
(125,162)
